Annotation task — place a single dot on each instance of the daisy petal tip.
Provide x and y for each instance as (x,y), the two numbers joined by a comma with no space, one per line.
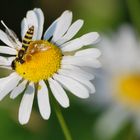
(96,37)
(82,21)
(38,9)
(93,92)
(85,96)
(91,38)
(66,105)
(68,11)
(22,121)
(12,97)
(46,116)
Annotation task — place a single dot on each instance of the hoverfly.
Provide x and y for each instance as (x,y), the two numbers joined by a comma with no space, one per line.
(25,44)
(26,49)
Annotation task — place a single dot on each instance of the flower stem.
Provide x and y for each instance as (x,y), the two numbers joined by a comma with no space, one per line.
(62,122)
(60,116)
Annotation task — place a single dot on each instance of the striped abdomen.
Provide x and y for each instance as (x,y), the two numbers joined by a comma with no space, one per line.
(28,38)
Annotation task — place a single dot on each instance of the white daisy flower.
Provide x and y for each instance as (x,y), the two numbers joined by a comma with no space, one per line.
(36,61)
(119,84)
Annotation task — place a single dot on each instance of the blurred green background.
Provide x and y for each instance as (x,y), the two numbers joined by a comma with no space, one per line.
(99,15)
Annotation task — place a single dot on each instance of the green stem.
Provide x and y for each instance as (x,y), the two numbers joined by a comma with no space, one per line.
(60,116)
(134,11)
(62,122)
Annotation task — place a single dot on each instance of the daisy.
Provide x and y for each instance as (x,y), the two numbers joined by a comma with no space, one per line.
(53,61)
(119,84)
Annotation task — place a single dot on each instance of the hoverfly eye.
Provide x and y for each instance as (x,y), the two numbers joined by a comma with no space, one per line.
(21,53)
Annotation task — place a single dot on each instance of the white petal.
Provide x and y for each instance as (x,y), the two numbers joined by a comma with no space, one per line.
(59,93)
(43,101)
(62,26)
(50,31)
(32,21)
(4,80)
(90,38)
(72,31)
(4,38)
(9,60)
(87,39)
(24,27)
(78,70)
(40,18)
(80,61)
(18,90)
(72,45)
(6,67)
(92,52)
(7,50)
(113,119)
(8,84)
(79,78)
(26,104)
(73,86)
(12,36)
(4,61)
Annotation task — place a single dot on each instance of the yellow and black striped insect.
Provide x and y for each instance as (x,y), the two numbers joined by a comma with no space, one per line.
(25,44)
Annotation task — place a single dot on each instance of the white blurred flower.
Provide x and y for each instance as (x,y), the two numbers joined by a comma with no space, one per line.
(119,83)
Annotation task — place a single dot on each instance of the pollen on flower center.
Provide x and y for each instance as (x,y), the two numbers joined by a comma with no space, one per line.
(42,60)
(129,89)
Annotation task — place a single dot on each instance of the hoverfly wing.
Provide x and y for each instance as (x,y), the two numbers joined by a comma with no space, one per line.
(13,37)
(11,33)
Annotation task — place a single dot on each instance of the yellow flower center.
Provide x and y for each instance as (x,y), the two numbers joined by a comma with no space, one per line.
(129,89)
(42,60)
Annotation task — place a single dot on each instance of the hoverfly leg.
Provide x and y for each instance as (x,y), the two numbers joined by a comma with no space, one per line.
(21,61)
